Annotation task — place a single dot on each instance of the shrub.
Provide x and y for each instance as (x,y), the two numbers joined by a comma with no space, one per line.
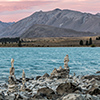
(86,43)
(93,45)
(81,42)
(90,41)
(19,43)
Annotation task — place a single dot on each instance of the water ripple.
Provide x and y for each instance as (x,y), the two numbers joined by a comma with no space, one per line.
(37,61)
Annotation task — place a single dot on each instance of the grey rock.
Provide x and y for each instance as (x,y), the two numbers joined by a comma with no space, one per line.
(2,96)
(65,88)
(46,92)
(62,73)
(37,77)
(98,72)
(46,75)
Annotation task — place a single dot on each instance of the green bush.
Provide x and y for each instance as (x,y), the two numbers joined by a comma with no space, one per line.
(87,43)
(90,41)
(93,45)
(81,42)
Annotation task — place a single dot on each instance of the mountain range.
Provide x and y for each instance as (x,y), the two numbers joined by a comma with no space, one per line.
(4,25)
(55,23)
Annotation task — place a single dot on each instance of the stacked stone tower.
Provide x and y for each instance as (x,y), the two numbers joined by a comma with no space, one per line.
(66,60)
(23,87)
(12,87)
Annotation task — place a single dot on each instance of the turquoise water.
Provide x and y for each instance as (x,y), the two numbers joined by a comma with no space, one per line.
(37,61)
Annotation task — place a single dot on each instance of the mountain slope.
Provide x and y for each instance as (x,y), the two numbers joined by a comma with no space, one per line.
(37,31)
(4,25)
(58,18)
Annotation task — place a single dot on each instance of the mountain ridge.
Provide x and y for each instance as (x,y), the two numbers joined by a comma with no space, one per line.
(4,25)
(66,19)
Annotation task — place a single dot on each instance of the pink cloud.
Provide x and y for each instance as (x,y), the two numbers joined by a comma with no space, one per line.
(11,10)
(15,5)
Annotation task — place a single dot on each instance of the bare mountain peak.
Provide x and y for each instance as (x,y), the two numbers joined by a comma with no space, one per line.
(67,19)
(57,9)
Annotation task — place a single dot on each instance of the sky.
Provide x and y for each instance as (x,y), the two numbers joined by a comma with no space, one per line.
(15,10)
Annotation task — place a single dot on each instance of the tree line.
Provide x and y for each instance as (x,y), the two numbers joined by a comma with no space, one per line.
(87,42)
(11,40)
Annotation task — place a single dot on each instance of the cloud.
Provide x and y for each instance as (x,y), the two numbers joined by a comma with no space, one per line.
(18,5)
(14,10)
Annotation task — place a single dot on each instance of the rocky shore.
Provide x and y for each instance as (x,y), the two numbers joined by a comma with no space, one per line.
(59,85)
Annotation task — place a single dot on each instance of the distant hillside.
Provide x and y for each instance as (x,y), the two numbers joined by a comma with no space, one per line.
(4,25)
(37,31)
(67,19)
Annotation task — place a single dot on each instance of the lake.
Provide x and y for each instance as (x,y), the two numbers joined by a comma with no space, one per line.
(38,61)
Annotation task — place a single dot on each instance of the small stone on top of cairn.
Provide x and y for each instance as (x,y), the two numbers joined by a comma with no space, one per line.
(12,87)
(66,60)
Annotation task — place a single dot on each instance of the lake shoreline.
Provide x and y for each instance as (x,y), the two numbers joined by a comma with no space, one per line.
(59,85)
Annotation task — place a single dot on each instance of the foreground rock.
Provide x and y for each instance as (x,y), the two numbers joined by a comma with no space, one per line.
(80,97)
(45,93)
(65,88)
(57,86)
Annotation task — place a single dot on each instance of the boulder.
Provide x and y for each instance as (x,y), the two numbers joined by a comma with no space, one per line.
(98,72)
(80,97)
(37,77)
(89,77)
(65,88)
(74,97)
(94,91)
(37,97)
(46,75)
(46,92)
(2,97)
(62,73)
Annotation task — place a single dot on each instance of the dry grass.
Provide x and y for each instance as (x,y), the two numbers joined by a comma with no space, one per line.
(54,42)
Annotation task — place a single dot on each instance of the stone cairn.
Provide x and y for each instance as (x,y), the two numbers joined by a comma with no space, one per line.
(61,72)
(12,87)
(66,60)
(23,87)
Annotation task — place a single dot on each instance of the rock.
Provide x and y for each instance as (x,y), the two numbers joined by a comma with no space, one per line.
(18,97)
(37,97)
(64,88)
(54,72)
(19,80)
(46,75)
(98,72)
(2,97)
(59,68)
(46,92)
(74,97)
(89,77)
(37,77)
(29,90)
(80,97)
(94,91)
(62,73)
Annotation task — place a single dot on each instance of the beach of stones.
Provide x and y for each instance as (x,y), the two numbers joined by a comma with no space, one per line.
(59,85)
